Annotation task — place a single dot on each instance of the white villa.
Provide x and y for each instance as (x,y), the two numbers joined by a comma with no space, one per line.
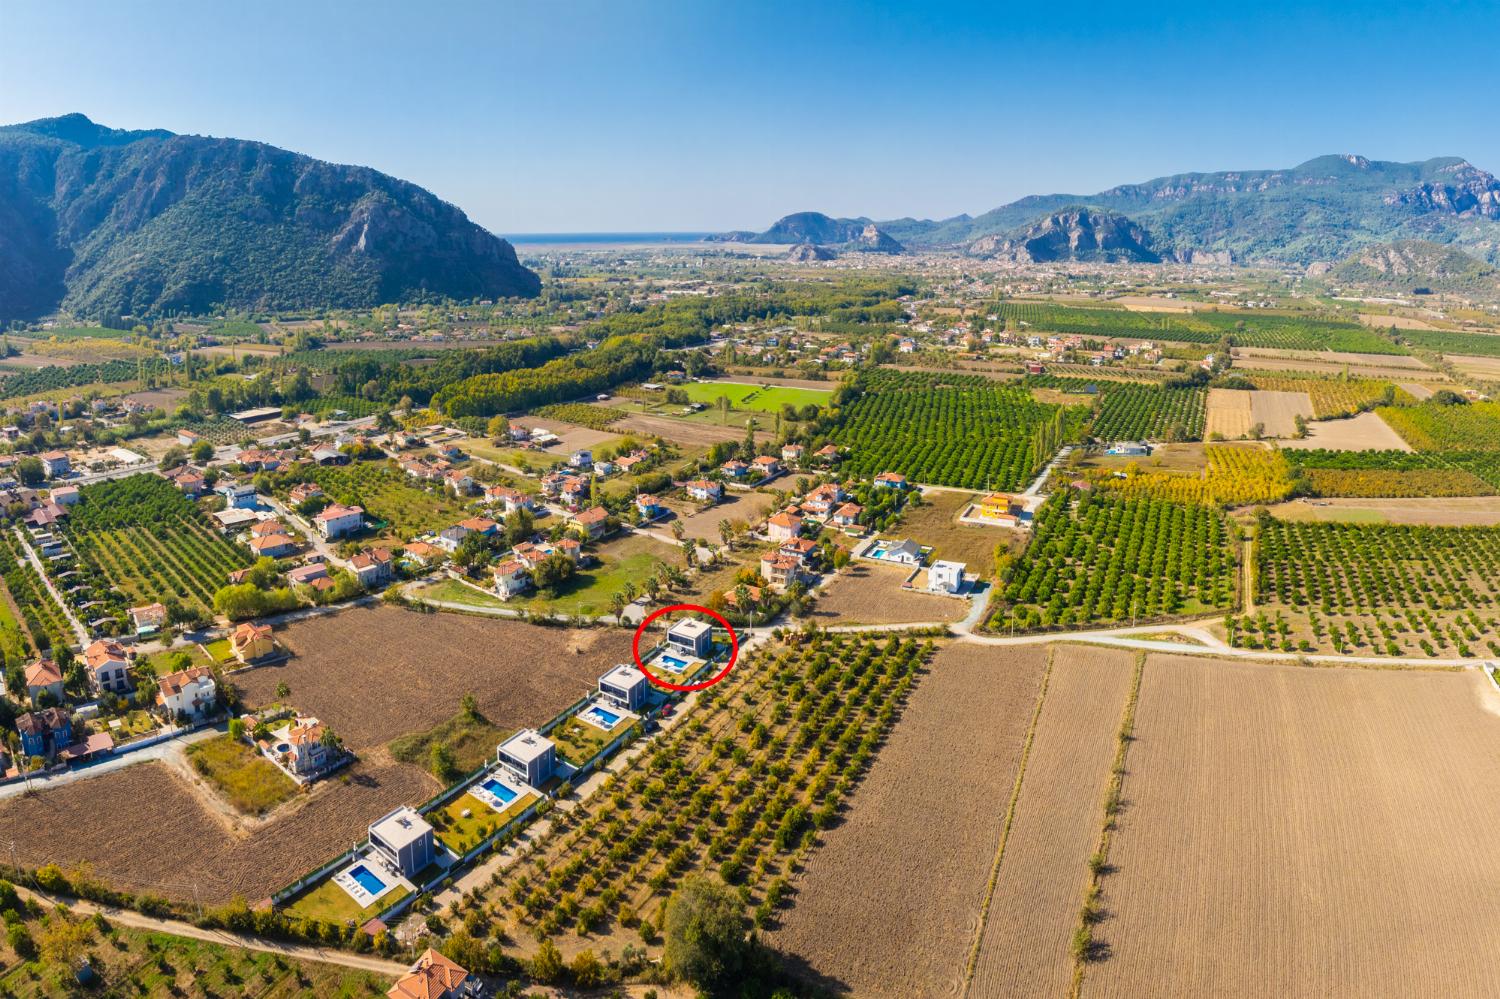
(946,577)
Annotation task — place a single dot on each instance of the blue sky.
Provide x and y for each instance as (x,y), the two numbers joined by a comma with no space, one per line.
(541,117)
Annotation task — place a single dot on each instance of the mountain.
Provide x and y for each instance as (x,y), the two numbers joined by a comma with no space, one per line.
(1320,211)
(1075,234)
(821,230)
(102,221)
(1406,265)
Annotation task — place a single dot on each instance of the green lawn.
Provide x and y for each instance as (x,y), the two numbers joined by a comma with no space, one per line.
(461,833)
(332,904)
(744,395)
(252,783)
(219,650)
(452,591)
(577,741)
(590,590)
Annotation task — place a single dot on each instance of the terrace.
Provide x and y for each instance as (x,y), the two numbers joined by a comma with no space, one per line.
(600,722)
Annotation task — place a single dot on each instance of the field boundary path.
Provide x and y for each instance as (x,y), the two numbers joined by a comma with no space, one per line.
(79,631)
(129,758)
(304,952)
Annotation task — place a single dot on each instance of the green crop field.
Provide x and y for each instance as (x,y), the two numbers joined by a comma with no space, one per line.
(762,398)
(385,493)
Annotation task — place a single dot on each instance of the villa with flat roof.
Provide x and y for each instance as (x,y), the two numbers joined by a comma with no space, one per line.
(529,755)
(695,638)
(404,840)
(625,686)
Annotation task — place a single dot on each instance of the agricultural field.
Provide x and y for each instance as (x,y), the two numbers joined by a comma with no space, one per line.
(1388,587)
(976,703)
(1233,474)
(934,522)
(1333,398)
(1140,411)
(1445,342)
(1244,859)
(951,430)
(863,593)
(1032,910)
(386,493)
(138,541)
(45,622)
(1477,367)
(1276,413)
(760,398)
(1432,426)
(583,414)
(1432,511)
(1095,559)
(1250,329)
(808,720)
(1229,414)
(133,962)
(1365,432)
(248,781)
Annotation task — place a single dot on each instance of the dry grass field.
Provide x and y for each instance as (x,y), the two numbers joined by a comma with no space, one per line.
(865,593)
(1478,367)
(1228,413)
(145,829)
(1365,432)
(1403,361)
(376,673)
(1044,869)
(889,903)
(749,507)
(1442,511)
(1384,322)
(1289,831)
(1277,412)
(935,523)
(1416,390)
(681,432)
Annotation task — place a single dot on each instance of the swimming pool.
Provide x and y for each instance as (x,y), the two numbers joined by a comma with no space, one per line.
(599,716)
(673,663)
(367,879)
(499,790)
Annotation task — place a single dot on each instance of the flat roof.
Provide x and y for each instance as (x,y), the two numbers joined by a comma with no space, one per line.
(690,628)
(526,745)
(624,675)
(944,564)
(401,828)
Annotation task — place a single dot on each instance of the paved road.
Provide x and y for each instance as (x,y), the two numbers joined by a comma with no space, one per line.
(45,782)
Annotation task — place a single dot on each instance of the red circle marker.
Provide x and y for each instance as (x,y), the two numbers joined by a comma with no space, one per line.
(734,648)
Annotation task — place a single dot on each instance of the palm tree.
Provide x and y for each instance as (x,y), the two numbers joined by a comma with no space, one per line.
(726,533)
(617,604)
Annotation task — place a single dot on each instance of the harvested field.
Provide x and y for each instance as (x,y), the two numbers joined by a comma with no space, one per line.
(1277,412)
(1478,367)
(949,765)
(1416,390)
(1229,413)
(1334,357)
(864,593)
(682,431)
(1024,945)
(1444,511)
(1365,432)
(750,507)
(935,523)
(1304,832)
(410,670)
(1381,321)
(144,829)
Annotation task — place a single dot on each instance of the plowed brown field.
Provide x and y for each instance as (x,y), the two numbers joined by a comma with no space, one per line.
(1304,832)
(1044,870)
(890,902)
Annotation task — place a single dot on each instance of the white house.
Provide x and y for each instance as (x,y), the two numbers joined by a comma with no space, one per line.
(945,577)
(511,578)
(190,692)
(528,755)
(237,495)
(336,521)
(109,668)
(704,490)
(783,526)
(1133,449)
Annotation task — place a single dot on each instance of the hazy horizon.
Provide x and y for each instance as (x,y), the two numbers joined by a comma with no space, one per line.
(627,118)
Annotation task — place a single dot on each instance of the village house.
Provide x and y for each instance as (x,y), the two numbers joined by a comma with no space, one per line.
(237,495)
(800,549)
(513,499)
(46,514)
(511,578)
(823,499)
(829,454)
(306,754)
(190,482)
(946,577)
(732,598)
(459,482)
(890,480)
(594,521)
(45,732)
(252,642)
(55,464)
(420,553)
(791,453)
(481,525)
(528,755)
(372,567)
(148,620)
(626,687)
(108,666)
(44,677)
(66,495)
(189,693)
(705,491)
(187,438)
(327,454)
(433,976)
(766,465)
(305,575)
(450,538)
(691,637)
(404,840)
(304,491)
(734,469)
(847,515)
(581,459)
(779,570)
(648,506)
(337,521)
(273,545)
(783,526)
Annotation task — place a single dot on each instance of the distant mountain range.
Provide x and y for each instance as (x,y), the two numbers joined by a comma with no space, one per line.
(1407,265)
(101,221)
(1320,211)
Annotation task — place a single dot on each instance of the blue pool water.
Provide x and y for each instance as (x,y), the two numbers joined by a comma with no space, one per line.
(606,718)
(879,551)
(673,663)
(499,790)
(367,879)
